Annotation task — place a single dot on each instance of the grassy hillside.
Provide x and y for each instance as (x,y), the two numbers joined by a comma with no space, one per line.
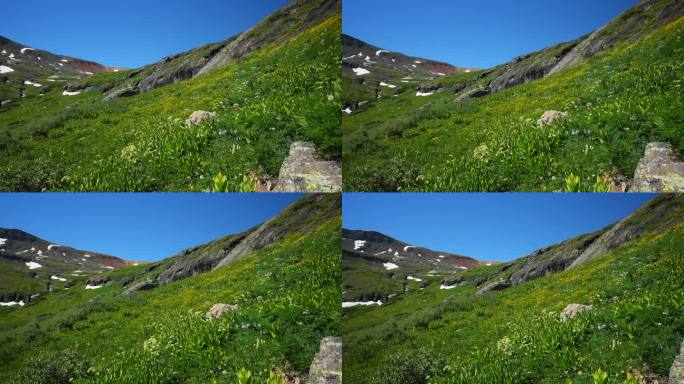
(515,335)
(265,100)
(617,103)
(287,293)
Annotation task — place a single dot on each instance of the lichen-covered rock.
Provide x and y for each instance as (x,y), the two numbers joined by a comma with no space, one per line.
(572,310)
(302,171)
(198,117)
(123,92)
(326,367)
(659,170)
(477,92)
(549,117)
(677,369)
(218,310)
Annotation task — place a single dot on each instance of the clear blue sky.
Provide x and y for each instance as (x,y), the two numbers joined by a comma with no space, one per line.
(478,34)
(128,33)
(486,226)
(140,227)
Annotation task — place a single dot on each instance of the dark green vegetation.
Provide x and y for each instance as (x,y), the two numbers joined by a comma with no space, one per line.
(286,90)
(287,293)
(618,100)
(515,335)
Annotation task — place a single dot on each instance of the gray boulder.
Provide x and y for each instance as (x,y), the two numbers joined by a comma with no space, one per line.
(677,369)
(326,367)
(302,171)
(198,117)
(659,170)
(218,310)
(495,286)
(145,285)
(549,117)
(572,310)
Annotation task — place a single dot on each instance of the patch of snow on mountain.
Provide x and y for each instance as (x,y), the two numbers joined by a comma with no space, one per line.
(67,93)
(52,246)
(32,265)
(23,50)
(413,278)
(383,84)
(348,304)
(390,266)
(406,248)
(360,71)
(3,241)
(347,110)
(380,51)
(419,93)
(5,69)
(53,277)
(447,286)
(12,303)
(64,61)
(358,244)
(93,286)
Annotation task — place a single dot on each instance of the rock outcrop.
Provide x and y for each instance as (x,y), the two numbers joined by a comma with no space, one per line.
(122,92)
(145,285)
(495,286)
(218,310)
(477,92)
(326,367)
(572,310)
(549,117)
(659,170)
(199,116)
(303,171)
(677,369)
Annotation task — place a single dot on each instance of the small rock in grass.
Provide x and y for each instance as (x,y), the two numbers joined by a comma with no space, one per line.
(198,117)
(572,310)
(219,309)
(549,117)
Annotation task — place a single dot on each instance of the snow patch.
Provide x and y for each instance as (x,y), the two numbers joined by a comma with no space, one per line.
(348,304)
(26,82)
(464,268)
(3,241)
(5,69)
(419,93)
(383,84)
(418,62)
(67,93)
(32,265)
(361,71)
(347,110)
(108,267)
(23,50)
(52,246)
(413,278)
(390,266)
(53,277)
(406,248)
(64,61)
(93,286)
(358,244)
(441,256)
(447,286)
(12,303)
(86,255)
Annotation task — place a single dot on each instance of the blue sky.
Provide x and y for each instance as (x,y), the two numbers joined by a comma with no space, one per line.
(128,33)
(478,34)
(139,227)
(486,226)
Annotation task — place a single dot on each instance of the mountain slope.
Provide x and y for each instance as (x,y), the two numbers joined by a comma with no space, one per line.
(124,131)
(515,334)
(286,293)
(479,131)
(370,73)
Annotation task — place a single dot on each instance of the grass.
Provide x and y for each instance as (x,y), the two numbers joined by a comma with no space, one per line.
(515,335)
(266,100)
(617,102)
(288,298)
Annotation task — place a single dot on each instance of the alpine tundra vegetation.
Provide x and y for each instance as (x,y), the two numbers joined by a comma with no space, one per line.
(246,308)
(601,307)
(576,116)
(67,124)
